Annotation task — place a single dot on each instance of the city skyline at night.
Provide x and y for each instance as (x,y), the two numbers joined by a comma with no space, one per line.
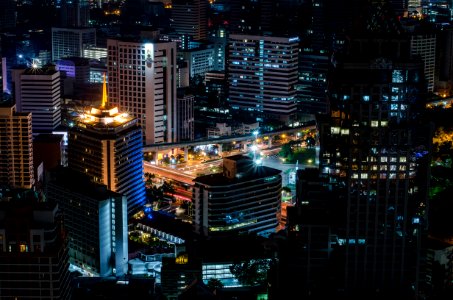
(226,149)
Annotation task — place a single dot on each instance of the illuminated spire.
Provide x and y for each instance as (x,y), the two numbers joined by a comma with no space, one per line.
(104,93)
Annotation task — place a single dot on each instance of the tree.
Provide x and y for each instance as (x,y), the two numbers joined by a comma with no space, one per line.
(214,284)
(286,151)
(252,272)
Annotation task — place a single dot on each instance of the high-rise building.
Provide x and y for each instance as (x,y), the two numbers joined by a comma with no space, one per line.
(251,16)
(199,60)
(244,198)
(75,13)
(262,74)
(185,111)
(96,221)
(106,145)
(372,144)
(34,260)
(68,42)
(142,81)
(424,45)
(16,144)
(190,17)
(38,90)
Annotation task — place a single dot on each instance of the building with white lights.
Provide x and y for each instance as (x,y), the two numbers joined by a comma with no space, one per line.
(245,198)
(38,90)
(68,42)
(262,75)
(106,145)
(142,81)
(96,221)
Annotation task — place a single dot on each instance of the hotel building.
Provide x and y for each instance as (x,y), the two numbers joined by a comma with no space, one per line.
(142,81)
(106,145)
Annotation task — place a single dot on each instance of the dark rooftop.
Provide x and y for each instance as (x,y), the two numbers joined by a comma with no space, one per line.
(220,180)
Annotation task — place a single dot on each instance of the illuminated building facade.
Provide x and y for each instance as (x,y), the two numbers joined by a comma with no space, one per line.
(68,42)
(106,144)
(142,81)
(76,68)
(244,198)
(262,74)
(96,221)
(16,144)
(373,146)
(33,250)
(38,90)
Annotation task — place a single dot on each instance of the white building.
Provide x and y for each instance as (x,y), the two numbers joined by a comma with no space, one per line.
(142,81)
(38,90)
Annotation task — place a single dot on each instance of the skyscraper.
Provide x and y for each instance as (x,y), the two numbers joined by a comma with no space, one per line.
(75,13)
(106,144)
(68,42)
(262,74)
(190,17)
(96,221)
(38,90)
(142,81)
(372,144)
(16,144)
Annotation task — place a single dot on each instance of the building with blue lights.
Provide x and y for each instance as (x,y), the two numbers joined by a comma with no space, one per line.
(245,198)
(107,145)
(96,221)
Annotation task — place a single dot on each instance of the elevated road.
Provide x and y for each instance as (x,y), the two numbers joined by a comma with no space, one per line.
(221,140)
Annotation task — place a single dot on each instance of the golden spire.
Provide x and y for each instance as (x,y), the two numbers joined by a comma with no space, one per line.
(104,93)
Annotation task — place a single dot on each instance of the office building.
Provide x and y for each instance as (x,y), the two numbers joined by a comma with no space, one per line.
(190,17)
(251,16)
(38,90)
(142,81)
(372,145)
(77,69)
(199,61)
(33,248)
(106,145)
(245,198)
(262,74)
(185,111)
(68,42)
(16,142)
(424,45)
(75,13)
(96,221)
